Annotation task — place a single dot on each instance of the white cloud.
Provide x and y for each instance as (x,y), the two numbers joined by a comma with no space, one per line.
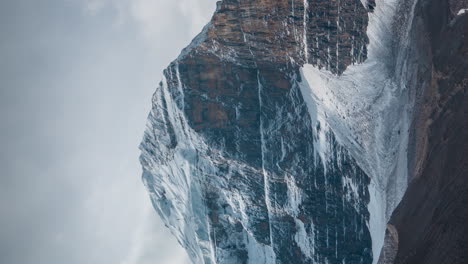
(71,191)
(156,16)
(93,6)
(173,23)
(198,11)
(146,248)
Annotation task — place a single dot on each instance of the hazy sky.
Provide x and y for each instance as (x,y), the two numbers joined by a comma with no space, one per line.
(76,81)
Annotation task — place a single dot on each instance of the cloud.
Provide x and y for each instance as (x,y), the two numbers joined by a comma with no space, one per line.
(93,6)
(164,24)
(156,16)
(76,90)
(146,248)
(198,11)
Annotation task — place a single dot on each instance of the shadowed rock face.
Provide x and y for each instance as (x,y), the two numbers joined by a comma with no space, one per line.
(390,247)
(432,219)
(228,156)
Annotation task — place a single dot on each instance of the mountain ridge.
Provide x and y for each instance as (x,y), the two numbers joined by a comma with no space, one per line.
(268,141)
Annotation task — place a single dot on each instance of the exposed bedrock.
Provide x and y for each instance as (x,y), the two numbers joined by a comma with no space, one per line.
(432,219)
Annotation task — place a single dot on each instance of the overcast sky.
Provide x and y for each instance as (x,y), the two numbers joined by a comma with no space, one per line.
(76,81)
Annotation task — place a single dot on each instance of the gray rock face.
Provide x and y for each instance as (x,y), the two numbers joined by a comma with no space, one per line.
(432,218)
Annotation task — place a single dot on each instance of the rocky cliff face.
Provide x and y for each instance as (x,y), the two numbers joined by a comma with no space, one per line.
(280,134)
(431,223)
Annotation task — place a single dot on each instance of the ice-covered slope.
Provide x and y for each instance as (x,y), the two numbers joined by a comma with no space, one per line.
(369,109)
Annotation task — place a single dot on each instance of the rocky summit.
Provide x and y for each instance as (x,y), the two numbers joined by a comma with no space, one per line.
(288,132)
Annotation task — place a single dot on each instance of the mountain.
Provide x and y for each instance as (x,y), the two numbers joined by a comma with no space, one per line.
(288,131)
